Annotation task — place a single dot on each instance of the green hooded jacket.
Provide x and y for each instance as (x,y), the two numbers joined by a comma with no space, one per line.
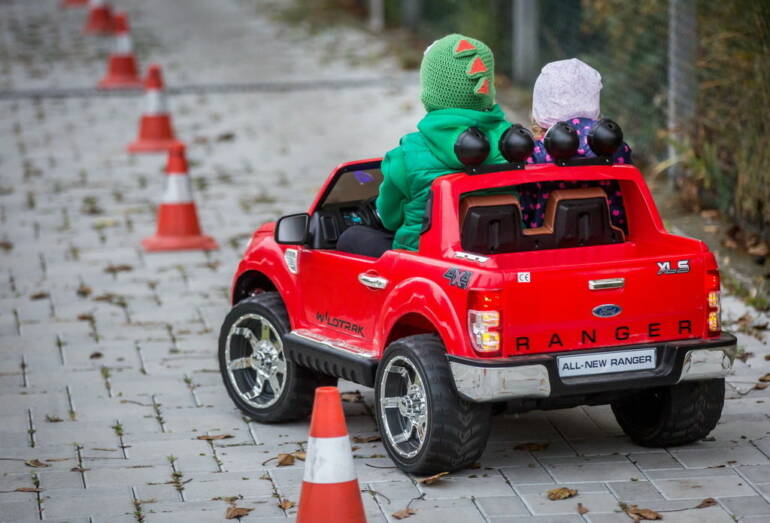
(409,169)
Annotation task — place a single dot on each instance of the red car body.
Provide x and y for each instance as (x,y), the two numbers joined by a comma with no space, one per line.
(545,298)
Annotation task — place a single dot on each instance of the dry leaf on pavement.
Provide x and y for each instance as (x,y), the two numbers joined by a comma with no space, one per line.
(36,463)
(286,504)
(532,446)
(366,439)
(237,512)
(638,514)
(765,378)
(215,437)
(561,493)
(708,502)
(760,386)
(432,479)
(582,509)
(403,514)
(29,489)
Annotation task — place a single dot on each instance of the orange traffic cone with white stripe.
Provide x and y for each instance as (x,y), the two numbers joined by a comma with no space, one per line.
(178,227)
(121,65)
(156,133)
(99,19)
(330,492)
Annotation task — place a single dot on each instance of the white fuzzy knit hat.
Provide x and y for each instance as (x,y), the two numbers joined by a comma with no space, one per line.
(566,89)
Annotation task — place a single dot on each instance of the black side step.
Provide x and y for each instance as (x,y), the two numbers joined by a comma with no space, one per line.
(331,360)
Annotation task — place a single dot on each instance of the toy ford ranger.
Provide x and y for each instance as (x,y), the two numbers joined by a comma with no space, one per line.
(488,312)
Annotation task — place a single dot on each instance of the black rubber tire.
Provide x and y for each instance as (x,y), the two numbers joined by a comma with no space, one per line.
(296,401)
(459,438)
(670,416)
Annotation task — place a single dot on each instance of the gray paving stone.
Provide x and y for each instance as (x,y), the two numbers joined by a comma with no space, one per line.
(703,487)
(508,505)
(61,503)
(746,506)
(593,472)
(634,491)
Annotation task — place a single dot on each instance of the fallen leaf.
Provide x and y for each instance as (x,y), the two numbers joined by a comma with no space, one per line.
(561,493)
(761,249)
(53,460)
(53,419)
(226,137)
(215,437)
(767,357)
(432,479)
(96,355)
(532,446)
(299,454)
(84,290)
(286,504)
(352,397)
(708,502)
(39,296)
(637,513)
(237,512)
(36,463)
(6,245)
(114,269)
(285,460)
(29,489)
(403,514)
(761,386)
(765,378)
(582,509)
(86,317)
(366,439)
(79,469)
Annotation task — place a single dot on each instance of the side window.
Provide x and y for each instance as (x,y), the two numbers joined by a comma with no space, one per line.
(348,201)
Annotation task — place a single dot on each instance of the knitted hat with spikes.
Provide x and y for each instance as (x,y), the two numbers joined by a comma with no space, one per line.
(458,72)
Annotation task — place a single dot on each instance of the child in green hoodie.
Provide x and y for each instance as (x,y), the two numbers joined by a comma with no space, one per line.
(458,91)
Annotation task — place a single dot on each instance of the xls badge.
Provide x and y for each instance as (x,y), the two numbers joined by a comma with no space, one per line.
(682,266)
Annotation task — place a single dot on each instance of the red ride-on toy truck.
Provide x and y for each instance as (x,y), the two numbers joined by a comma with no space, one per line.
(577,311)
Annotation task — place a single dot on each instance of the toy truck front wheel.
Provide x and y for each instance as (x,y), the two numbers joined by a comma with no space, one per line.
(426,426)
(258,376)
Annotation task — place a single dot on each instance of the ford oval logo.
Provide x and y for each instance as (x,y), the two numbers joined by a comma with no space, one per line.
(608,310)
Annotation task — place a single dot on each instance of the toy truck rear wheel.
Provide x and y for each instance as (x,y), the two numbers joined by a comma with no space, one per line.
(426,427)
(670,416)
(259,378)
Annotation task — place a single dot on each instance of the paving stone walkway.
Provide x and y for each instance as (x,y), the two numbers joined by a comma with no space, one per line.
(111,404)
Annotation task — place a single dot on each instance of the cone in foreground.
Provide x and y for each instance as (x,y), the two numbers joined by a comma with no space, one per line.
(121,64)
(156,134)
(73,3)
(178,227)
(330,492)
(99,20)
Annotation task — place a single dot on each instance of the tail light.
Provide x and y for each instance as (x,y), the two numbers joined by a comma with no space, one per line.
(713,304)
(485,321)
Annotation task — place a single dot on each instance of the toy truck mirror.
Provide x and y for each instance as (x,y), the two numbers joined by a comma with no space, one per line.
(292,229)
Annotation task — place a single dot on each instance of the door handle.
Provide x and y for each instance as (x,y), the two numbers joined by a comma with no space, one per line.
(372,281)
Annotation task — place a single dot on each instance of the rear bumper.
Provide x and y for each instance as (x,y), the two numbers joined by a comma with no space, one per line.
(537,376)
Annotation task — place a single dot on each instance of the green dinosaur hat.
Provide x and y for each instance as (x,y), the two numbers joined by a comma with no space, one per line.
(458,72)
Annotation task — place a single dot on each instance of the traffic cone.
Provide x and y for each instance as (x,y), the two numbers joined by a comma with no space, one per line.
(121,64)
(330,492)
(178,227)
(155,131)
(99,19)
(73,3)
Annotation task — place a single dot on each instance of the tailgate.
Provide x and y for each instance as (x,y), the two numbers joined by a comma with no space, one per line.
(565,309)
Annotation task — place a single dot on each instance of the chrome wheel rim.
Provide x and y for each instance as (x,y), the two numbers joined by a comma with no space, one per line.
(403,407)
(255,362)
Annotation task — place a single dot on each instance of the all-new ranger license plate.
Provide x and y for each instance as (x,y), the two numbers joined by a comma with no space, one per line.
(606,362)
